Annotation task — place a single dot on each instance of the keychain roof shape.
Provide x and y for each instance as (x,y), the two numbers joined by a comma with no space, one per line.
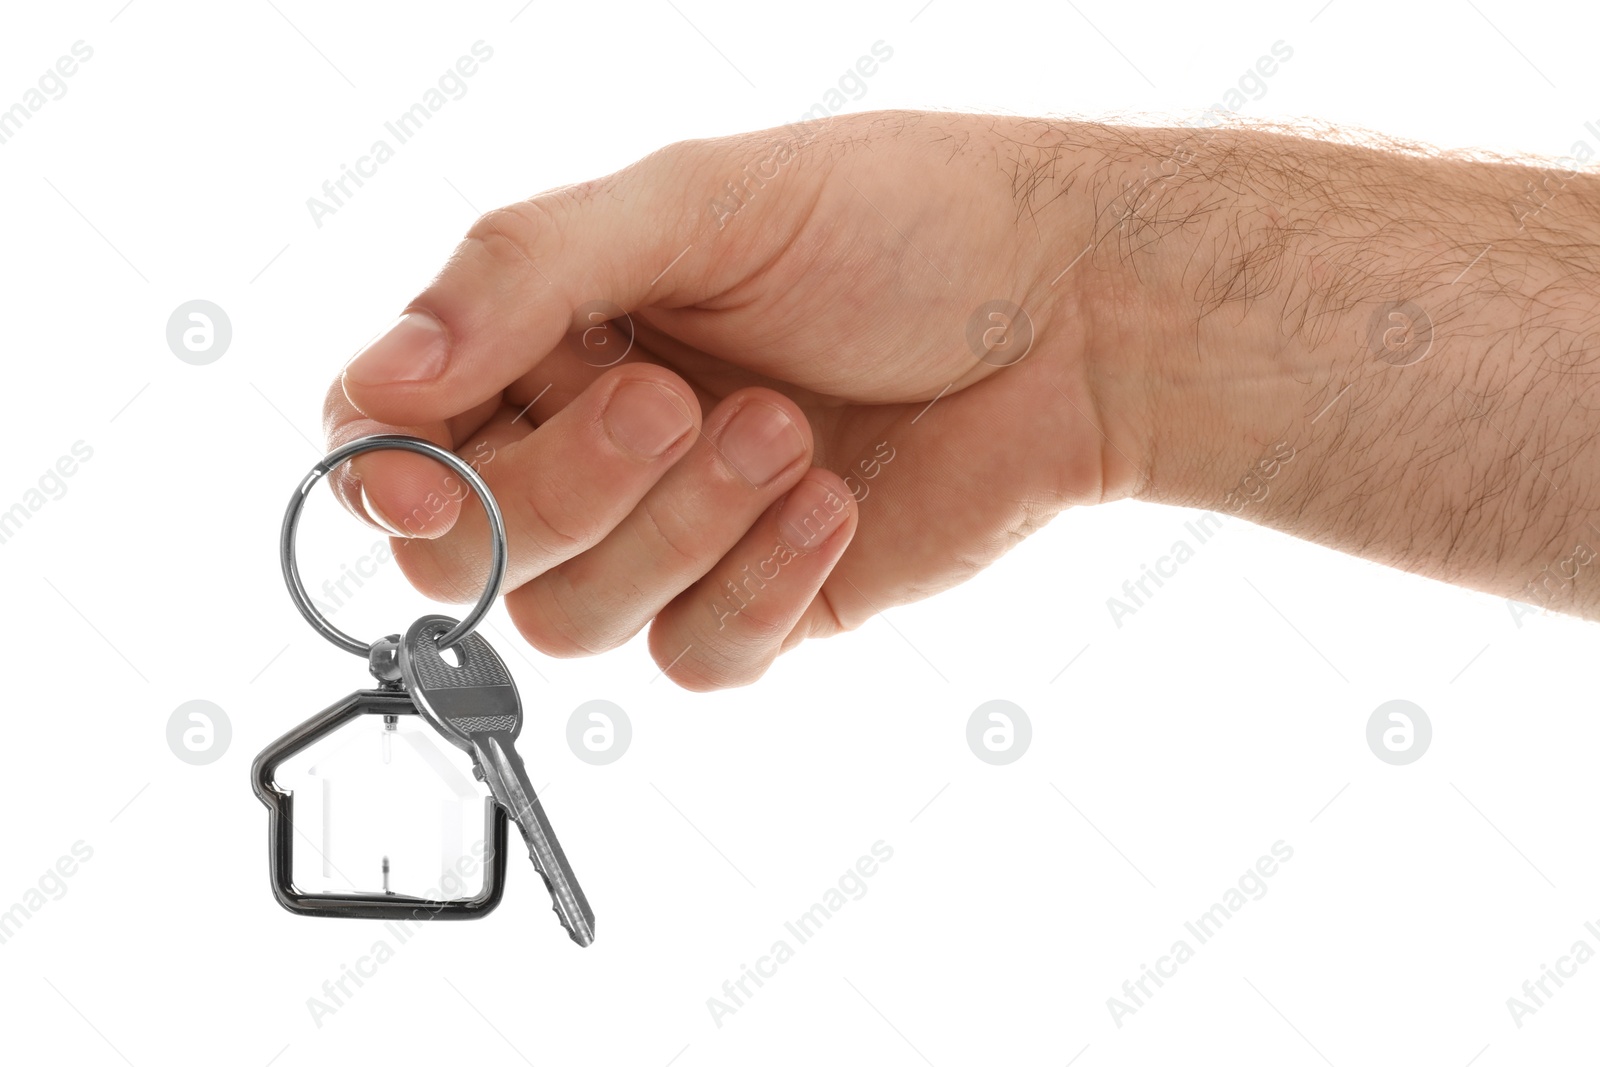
(281,830)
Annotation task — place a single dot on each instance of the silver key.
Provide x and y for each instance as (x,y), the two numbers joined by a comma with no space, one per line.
(475,706)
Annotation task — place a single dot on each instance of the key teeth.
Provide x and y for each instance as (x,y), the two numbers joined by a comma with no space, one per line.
(476,708)
(581,939)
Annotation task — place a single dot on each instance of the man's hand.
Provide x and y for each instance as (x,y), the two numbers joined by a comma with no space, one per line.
(868,355)
(826,403)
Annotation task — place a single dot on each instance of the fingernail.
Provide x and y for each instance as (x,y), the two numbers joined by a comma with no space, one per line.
(761,442)
(414,349)
(646,418)
(378,516)
(810,514)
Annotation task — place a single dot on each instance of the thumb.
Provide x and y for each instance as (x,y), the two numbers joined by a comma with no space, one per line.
(651,234)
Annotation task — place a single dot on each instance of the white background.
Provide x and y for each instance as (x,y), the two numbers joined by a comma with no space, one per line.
(1226,715)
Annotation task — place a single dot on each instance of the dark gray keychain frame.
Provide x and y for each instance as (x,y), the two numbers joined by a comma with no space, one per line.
(280,827)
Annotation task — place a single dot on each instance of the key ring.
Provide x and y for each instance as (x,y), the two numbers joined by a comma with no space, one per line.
(291,521)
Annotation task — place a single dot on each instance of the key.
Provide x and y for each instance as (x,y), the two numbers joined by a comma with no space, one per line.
(475,706)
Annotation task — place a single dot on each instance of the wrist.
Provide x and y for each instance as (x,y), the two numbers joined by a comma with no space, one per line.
(1387,353)
(1203,245)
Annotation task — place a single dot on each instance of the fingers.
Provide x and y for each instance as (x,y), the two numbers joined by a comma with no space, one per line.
(728,627)
(564,486)
(546,275)
(755,446)
(523,278)
(400,493)
(654,234)
(468,344)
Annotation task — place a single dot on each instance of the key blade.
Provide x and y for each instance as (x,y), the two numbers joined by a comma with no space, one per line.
(507,779)
(475,706)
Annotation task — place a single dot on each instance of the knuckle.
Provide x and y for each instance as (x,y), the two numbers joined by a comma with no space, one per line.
(516,235)
(677,154)
(420,563)
(533,628)
(822,619)
(666,526)
(548,204)
(582,618)
(554,527)
(681,654)
(544,622)
(688,678)
(753,627)
(686,162)
(829,620)
(710,671)
(736,654)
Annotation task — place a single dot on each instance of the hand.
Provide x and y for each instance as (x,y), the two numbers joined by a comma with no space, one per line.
(816,417)
(813,421)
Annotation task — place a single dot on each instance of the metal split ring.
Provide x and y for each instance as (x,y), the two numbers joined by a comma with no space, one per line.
(291,521)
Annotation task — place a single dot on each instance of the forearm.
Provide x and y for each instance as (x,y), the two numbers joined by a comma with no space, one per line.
(1391,355)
